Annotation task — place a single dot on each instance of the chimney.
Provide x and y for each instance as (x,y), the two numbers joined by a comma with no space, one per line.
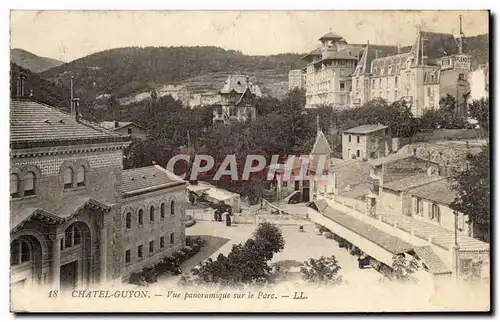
(21,92)
(117,124)
(76,102)
(72,109)
(18,87)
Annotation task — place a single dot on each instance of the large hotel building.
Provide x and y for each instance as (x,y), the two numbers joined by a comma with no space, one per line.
(344,75)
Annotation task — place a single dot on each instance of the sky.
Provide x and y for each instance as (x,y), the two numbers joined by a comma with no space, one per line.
(68,35)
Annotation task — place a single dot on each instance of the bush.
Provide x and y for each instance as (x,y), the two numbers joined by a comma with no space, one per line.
(323,270)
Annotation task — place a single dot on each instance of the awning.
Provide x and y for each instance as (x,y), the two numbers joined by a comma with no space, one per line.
(371,240)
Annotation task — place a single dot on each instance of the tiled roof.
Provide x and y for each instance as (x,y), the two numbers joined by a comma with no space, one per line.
(360,190)
(389,242)
(431,260)
(438,191)
(34,121)
(390,65)
(411,182)
(370,53)
(366,129)
(314,52)
(239,84)
(346,53)
(148,177)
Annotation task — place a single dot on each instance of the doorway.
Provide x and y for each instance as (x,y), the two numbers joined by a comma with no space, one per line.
(69,275)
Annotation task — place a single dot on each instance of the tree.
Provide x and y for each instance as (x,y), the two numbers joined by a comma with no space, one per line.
(480,110)
(271,237)
(472,185)
(403,268)
(324,270)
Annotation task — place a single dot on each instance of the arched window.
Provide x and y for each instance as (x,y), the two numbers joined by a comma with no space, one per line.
(128,220)
(141,217)
(72,237)
(80,176)
(152,213)
(162,210)
(172,208)
(172,238)
(14,185)
(68,178)
(20,252)
(29,184)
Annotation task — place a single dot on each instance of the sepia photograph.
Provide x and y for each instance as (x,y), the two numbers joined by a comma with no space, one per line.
(249,161)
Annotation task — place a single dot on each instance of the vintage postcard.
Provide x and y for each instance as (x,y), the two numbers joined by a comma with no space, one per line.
(249,161)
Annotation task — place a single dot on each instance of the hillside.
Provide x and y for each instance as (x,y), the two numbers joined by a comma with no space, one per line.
(126,71)
(43,90)
(31,61)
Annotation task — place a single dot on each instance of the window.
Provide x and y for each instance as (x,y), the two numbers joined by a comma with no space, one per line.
(172,238)
(232,111)
(128,220)
(435,215)
(342,85)
(396,81)
(172,208)
(461,222)
(29,184)
(461,76)
(419,206)
(72,237)
(139,252)
(68,178)
(162,210)
(80,176)
(129,131)
(162,242)
(357,139)
(349,138)
(152,213)
(14,185)
(373,83)
(429,91)
(372,155)
(127,256)
(151,246)
(141,217)
(358,153)
(20,252)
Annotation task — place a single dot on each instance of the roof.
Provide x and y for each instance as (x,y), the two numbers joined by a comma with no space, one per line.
(321,145)
(70,208)
(389,65)
(359,190)
(314,52)
(389,242)
(35,121)
(350,174)
(370,52)
(346,53)
(331,35)
(411,182)
(139,179)
(431,260)
(111,125)
(435,45)
(239,84)
(366,129)
(211,191)
(437,191)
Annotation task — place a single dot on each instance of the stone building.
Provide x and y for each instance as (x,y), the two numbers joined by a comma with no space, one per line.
(296,79)
(328,71)
(65,188)
(366,142)
(237,100)
(434,67)
(126,128)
